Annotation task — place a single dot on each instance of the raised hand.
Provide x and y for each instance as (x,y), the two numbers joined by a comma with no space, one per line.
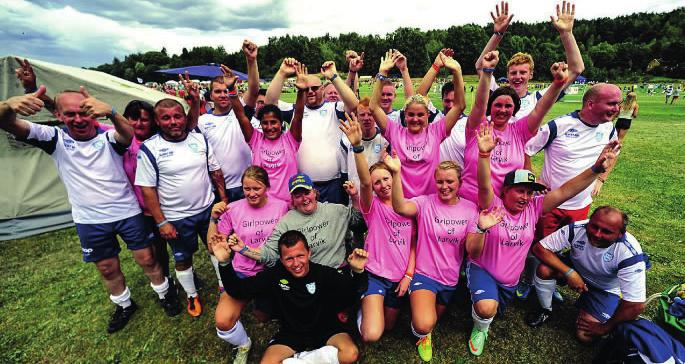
(486,138)
(95,108)
(387,62)
(301,76)
(491,59)
(229,78)
(25,74)
(288,67)
(400,61)
(250,50)
(355,62)
(28,104)
(328,69)
(450,63)
(218,246)
(502,19)
(445,52)
(565,15)
(607,157)
(559,71)
(350,188)
(352,129)
(393,162)
(357,260)
(488,219)
(192,88)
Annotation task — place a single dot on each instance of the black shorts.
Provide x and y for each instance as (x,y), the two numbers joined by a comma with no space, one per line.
(300,342)
(623,124)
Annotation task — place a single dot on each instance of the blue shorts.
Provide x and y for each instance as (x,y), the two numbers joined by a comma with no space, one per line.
(332,191)
(443,292)
(598,303)
(261,300)
(187,229)
(484,287)
(385,288)
(99,241)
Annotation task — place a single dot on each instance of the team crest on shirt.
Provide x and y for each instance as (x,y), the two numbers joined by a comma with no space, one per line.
(376,148)
(608,256)
(311,287)
(524,103)
(194,147)
(599,135)
(323,112)
(98,144)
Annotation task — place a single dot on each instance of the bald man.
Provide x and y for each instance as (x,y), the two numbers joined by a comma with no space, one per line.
(572,143)
(320,154)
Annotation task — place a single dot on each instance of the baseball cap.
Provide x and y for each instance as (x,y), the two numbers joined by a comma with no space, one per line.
(523,177)
(300,180)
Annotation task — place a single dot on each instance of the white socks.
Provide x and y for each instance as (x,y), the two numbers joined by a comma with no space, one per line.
(545,290)
(479,323)
(327,354)
(162,289)
(215,264)
(236,336)
(420,336)
(185,278)
(123,300)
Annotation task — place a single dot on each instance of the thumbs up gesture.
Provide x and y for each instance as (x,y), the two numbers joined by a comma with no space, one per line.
(28,104)
(93,107)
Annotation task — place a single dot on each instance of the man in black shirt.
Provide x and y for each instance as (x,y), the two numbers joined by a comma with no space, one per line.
(306,297)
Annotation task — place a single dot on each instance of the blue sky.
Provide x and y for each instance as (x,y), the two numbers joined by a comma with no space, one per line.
(92,32)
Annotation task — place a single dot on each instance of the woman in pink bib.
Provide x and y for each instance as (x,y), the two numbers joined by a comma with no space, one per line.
(501,106)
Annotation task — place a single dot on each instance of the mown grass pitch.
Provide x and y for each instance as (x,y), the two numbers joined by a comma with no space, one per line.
(53,307)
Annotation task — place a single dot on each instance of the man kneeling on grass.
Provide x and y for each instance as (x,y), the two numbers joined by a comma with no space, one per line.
(306,296)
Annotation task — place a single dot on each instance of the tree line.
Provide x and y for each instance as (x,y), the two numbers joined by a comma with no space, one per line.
(628,48)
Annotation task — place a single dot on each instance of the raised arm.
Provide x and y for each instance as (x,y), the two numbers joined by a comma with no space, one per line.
(286,70)
(580,182)
(387,63)
(355,62)
(346,94)
(401,205)
(564,24)
(193,92)
(245,126)
(301,85)
(486,143)
(25,105)
(123,131)
(500,22)
(353,131)
(432,73)
(560,75)
(250,51)
(480,103)
(27,77)
(401,63)
(459,99)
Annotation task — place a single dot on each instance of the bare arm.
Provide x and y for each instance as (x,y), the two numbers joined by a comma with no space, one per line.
(27,77)
(123,132)
(432,73)
(27,105)
(250,51)
(560,75)
(500,20)
(564,24)
(483,91)
(193,90)
(355,63)
(286,70)
(387,63)
(219,184)
(346,94)
(486,143)
(401,63)
(353,131)
(401,205)
(459,98)
(245,125)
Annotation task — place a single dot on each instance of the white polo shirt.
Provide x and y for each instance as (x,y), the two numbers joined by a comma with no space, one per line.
(92,172)
(319,155)
(179,171)
(232,152)
(372,151)
(571,146)
(618,269)
(452,148)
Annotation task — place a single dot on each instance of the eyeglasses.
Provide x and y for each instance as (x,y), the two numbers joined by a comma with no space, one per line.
(313,88)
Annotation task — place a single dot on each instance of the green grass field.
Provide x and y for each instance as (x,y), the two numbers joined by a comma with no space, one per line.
(54,308)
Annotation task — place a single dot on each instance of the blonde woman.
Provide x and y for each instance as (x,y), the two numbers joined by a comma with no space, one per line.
(627,113)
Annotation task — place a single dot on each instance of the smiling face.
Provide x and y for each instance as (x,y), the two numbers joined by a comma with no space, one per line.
(219,96)
(271,126)
(381,182)
(604,228)
(255,192)
(416,117)
(79,124)
(387,97)
(501,111)
(605,105)
(142,126)
(295,259)
(515,198)
(447,184)
(314,95)
(330,94)
(518,76)
(304,200)
(172,122)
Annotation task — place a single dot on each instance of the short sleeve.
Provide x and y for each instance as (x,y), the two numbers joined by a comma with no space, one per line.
(539,141)
(212,163)
(42,137)
(558,240)
(146,174)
